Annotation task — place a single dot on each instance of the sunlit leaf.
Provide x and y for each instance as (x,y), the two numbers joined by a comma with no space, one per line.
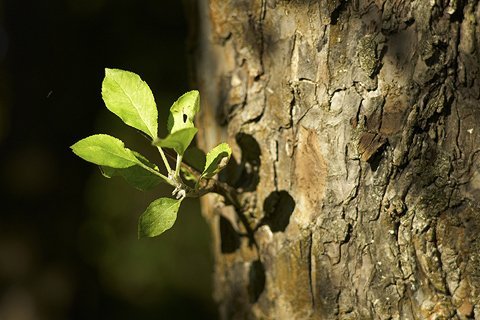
(105,150)
(216,160)
(130,98)
(182,112)
(177,140)
(159,217)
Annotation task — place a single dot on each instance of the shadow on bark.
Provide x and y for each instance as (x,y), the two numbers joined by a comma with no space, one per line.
(230,240)
(278,208)
(245,173)
(256,280)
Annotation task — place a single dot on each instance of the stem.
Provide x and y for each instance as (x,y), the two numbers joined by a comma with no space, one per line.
(200,193)
(155,172)
(165,161)
(179,163)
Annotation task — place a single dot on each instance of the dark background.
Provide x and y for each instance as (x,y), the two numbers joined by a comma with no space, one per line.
(68,239)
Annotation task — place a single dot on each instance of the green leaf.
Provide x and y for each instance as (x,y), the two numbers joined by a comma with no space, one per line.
(217,159)
(130,98)
(178,140)
(159,217)
(105,150)
(137,176)
(182,112)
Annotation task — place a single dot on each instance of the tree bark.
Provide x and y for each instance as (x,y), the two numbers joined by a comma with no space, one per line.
(356,137)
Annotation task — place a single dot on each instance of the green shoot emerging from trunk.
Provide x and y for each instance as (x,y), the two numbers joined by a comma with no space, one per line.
(130,98)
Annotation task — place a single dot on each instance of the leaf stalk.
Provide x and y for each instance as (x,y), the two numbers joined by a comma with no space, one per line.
(164,159)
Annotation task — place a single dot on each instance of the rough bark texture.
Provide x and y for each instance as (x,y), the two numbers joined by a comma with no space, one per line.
(355,127)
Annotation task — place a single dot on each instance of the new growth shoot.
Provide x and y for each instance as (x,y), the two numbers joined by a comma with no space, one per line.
(130,98)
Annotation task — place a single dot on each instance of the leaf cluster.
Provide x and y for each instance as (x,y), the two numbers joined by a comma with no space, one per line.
(126,95)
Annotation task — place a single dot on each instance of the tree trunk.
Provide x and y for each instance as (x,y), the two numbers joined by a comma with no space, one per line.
(356,145)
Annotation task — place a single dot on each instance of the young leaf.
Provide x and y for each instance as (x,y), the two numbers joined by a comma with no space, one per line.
(105,150)
(137,176)
(182,112)
(178,140)
(130,98)
(159,217)
(217,159)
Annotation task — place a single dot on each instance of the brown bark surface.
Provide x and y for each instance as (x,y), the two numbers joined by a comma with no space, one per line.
(355,128)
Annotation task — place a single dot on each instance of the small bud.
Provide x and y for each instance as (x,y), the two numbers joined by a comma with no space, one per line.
(181,194)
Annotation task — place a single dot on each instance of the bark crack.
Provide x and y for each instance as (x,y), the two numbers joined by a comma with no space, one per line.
(275,162)
(311,270)
(263,13)
(457,136)
(291,106)
(438,259)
